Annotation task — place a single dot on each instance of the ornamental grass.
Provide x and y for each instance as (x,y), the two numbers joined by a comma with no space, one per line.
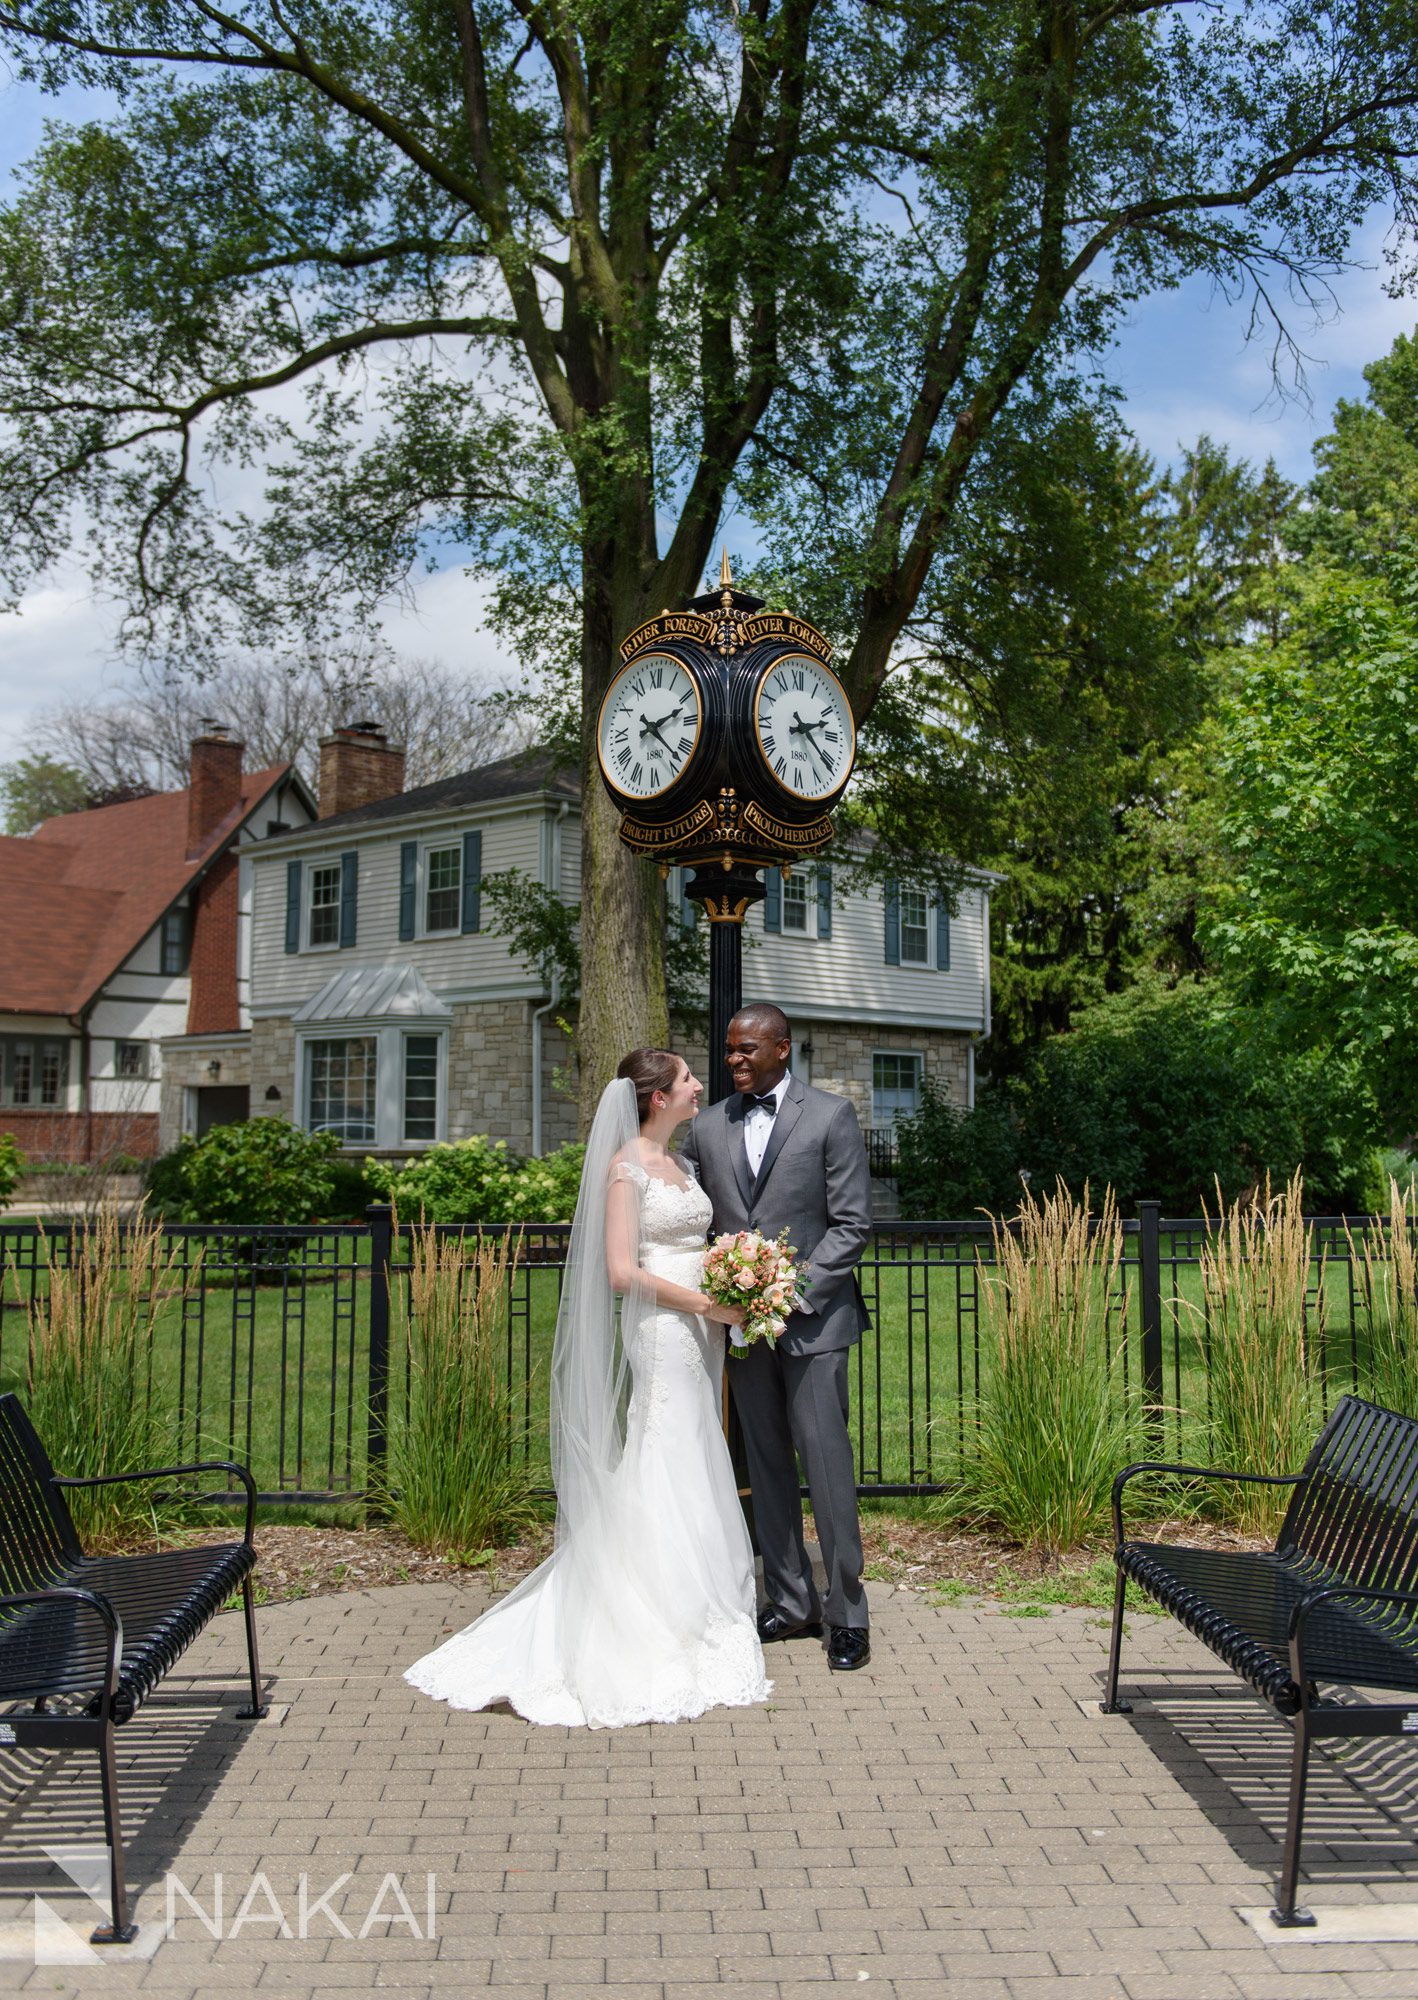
(456,1478)
(1387,1305)
(88,1379)
(1264,1337)
(1053,1421)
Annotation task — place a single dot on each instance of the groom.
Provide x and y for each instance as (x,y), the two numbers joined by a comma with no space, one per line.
(779,1155)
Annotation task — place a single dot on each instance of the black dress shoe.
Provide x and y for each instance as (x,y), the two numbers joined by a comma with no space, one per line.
(775,1624)
(848,1648)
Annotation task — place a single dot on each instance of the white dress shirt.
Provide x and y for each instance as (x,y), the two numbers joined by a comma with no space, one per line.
(758,1124)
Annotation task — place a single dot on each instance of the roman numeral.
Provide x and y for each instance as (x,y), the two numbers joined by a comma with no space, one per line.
(798,779)
(686,744)
(637,774)
(799,679)
(639,687)
(768,744)
(830,734)
(780,766)
(657,677)
(620,736)
(623,761)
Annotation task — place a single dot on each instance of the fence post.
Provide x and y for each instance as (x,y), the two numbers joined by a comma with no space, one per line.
(381,1247)
(1149,1280)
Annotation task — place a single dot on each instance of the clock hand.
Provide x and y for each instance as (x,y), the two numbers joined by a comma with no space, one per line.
(654,730)
(801,728)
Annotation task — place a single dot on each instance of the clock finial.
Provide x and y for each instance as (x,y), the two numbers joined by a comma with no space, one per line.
(726,575)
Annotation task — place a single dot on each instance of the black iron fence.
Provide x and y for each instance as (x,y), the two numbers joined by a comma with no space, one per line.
(284,1347)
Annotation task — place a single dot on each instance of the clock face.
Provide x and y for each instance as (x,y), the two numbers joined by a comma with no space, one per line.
(803,724)
(650,723)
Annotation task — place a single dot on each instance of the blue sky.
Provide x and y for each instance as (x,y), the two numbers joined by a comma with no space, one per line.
(1183,363)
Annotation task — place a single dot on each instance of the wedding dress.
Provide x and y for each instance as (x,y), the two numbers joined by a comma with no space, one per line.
(645,1610)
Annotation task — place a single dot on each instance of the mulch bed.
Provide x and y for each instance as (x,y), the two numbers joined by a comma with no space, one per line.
(298,1561)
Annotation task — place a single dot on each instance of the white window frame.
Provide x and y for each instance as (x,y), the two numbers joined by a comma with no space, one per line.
(896,1055)
(808,878)
(427,849)
(927,962)
(388,1037)
(316,868)
(145,1057)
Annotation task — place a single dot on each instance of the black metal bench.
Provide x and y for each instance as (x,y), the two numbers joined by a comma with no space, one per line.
(1334,1602)
(97,1633)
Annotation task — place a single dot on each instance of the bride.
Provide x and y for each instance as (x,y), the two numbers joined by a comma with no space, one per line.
(644,1611)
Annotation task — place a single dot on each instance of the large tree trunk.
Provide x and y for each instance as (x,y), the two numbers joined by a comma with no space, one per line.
(622,903)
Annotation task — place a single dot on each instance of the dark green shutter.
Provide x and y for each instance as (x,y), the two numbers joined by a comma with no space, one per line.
(824,902)
(292,906)
(892,900)
(472,881)
(773,901)
(942,935)
(408,887)
(349,890)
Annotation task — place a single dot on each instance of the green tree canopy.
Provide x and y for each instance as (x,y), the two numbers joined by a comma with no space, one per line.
(33,789)
(1320,776)
(562,284)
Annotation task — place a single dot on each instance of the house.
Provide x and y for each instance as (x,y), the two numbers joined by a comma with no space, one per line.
(123,926)
(386,1009)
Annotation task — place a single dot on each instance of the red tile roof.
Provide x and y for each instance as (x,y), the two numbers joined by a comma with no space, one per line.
(81,892)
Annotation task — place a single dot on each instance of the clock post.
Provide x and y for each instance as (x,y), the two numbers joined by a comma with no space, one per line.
(724,739)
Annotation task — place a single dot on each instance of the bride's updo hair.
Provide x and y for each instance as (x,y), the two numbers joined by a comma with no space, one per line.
(649,1070)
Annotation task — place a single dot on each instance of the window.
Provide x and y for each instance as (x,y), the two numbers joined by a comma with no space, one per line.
(130,1059)
(341,1085)
(33,1072)
(895,1084)
(383,1085)
(915,930)
(443,888)
(176,942)
(795,902)
(324,926)
(420,1088)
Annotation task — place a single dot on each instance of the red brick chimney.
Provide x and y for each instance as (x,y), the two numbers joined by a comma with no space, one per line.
(215,788)
(358,767)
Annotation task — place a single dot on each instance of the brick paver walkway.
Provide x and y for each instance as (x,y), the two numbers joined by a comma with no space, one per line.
(948,1815)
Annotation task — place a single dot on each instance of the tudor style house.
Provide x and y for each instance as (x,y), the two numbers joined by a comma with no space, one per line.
(386,1009)
(123,926)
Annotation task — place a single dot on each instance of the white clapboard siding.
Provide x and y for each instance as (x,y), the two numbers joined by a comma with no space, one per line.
(454,966)
(846,975)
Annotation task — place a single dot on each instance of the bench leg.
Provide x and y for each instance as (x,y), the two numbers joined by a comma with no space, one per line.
(1285,1914)
(121,1930)
(258,1707)
(1110,1705)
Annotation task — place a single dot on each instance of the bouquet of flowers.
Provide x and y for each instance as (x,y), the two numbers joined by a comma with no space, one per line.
(757,1273)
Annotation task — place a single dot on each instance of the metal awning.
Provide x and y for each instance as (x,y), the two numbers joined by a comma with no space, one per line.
(374,993)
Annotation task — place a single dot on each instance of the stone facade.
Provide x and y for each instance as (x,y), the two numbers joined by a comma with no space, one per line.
(187,1064)
(273,1068)
(841,1053)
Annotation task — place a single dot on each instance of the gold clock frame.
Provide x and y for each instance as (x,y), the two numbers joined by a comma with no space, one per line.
(820,666)
(633,799)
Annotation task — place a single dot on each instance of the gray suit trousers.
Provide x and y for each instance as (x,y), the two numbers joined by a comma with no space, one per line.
(794,1407)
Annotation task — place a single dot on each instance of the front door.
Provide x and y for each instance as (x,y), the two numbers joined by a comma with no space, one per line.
(221,1104)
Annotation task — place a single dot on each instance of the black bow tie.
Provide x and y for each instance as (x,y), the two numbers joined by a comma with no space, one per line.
(769,1103)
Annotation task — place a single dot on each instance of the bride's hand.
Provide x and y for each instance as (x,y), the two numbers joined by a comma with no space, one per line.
(724,1315)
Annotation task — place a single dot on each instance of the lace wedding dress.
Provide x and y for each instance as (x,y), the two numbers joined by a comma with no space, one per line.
(645,1612)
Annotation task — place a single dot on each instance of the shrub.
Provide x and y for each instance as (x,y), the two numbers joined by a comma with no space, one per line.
(1264,1352)
(12,1162)
(455,1477)
(88,1378)
(351,1191)
(264,1170)
(1052,1424)
(1160,1093)
(479,1180)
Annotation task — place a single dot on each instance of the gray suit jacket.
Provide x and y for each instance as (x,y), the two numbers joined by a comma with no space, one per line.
(814,1183)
